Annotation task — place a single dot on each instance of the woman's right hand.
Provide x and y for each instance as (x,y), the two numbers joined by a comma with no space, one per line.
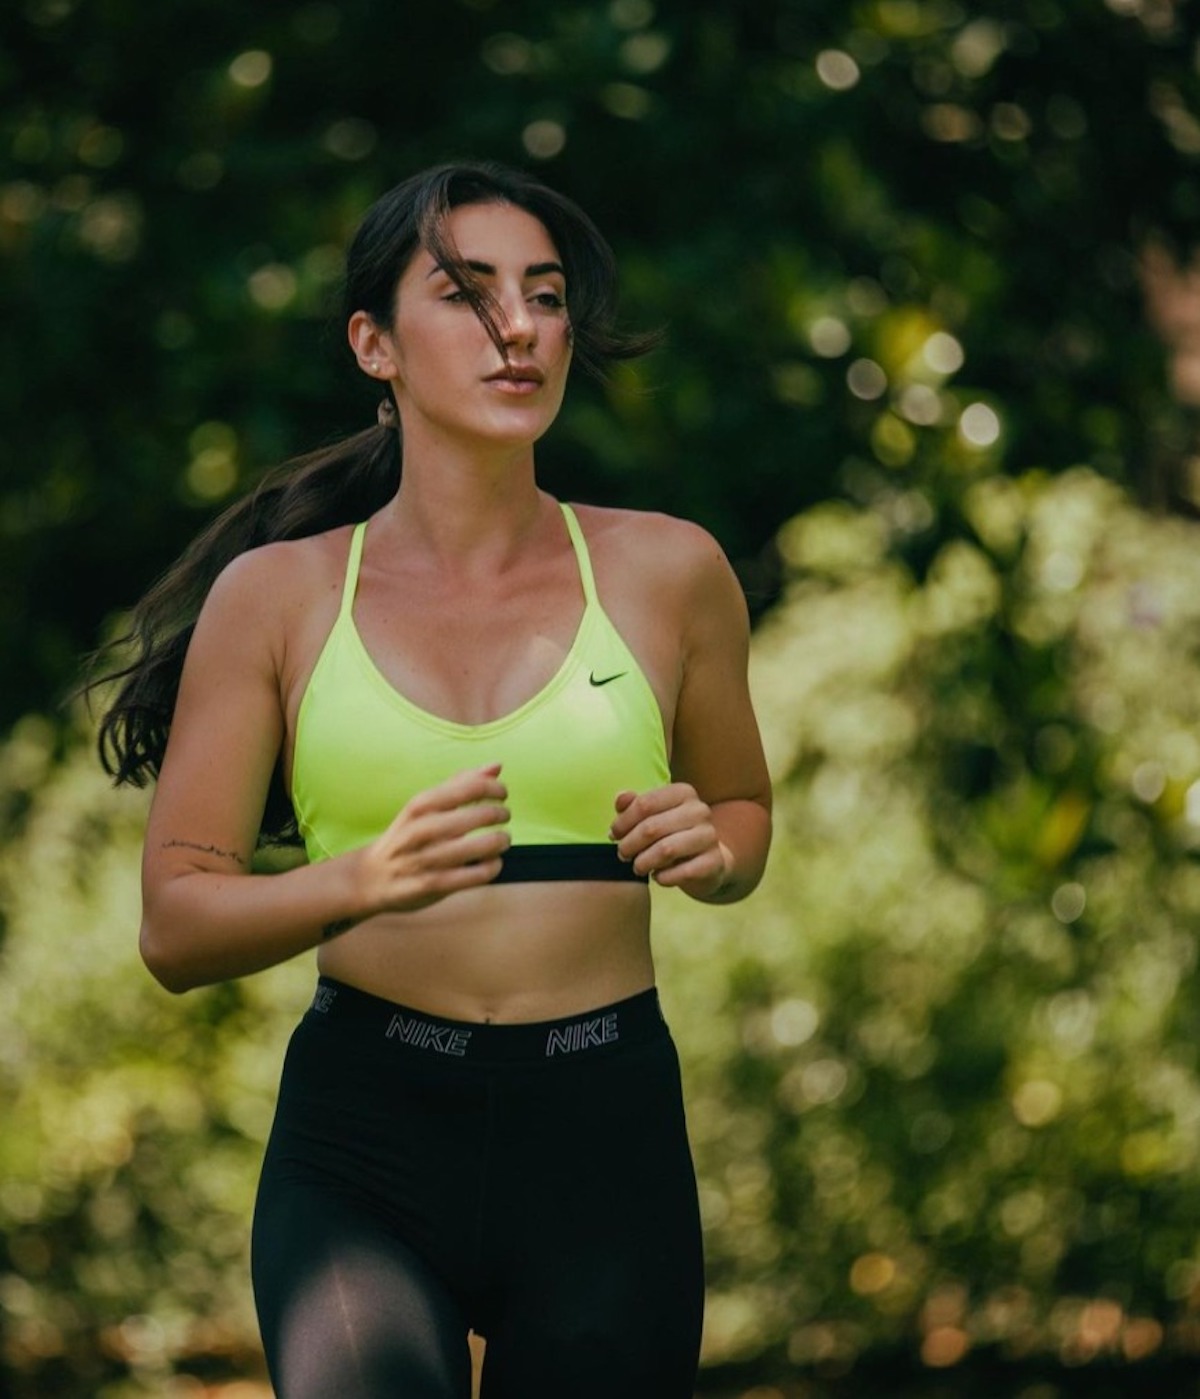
(447,838)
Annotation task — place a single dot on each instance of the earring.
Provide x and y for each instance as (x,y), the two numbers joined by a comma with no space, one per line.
(374,365)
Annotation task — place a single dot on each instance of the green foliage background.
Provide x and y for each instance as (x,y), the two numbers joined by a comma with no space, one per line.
(942,1067)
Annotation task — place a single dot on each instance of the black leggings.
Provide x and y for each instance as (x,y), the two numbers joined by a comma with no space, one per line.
(531,1182)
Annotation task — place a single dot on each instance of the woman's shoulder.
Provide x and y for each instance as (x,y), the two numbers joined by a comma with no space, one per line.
(644,529)
(653,542)
(281,577)
(290,561)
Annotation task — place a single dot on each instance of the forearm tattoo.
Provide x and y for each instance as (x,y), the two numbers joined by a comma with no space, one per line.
(204,849)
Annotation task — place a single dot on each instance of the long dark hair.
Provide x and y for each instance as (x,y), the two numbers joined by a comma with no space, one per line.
(352,479)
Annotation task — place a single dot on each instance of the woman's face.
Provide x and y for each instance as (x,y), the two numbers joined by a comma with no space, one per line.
(446,372)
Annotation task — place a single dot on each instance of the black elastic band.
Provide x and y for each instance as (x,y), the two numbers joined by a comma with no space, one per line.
(386,1027)
(527,863)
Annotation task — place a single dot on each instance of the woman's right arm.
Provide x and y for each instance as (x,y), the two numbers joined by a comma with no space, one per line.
(205,917)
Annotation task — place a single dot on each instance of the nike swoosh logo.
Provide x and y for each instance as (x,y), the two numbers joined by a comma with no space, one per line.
(606,679)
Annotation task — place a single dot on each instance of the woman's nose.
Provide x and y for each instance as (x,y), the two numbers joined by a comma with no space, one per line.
(517,323)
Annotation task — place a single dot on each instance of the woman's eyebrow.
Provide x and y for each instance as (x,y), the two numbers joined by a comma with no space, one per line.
(486,269)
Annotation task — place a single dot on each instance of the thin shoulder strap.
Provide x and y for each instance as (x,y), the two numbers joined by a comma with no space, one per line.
(582,557)
(353,561)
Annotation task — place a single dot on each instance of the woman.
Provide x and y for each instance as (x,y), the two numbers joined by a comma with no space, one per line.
(495,718)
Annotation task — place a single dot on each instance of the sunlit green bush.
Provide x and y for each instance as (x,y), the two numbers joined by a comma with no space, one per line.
(943,1067)
(133,1121)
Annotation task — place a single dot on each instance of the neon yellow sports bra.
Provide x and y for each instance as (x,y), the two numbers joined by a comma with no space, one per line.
(362,750)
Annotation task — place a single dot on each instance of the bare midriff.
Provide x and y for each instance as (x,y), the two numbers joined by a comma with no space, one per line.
(510,954)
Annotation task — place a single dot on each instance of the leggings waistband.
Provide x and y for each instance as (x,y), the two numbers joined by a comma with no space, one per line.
(398,1028)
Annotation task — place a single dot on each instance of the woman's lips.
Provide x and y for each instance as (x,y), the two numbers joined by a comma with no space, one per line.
(515,386)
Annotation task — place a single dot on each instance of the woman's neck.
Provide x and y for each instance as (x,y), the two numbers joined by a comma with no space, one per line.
(462,512)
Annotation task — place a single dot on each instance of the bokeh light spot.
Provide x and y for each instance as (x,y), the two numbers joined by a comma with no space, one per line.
(544,139)
(508,54)
(944,1346)
(252,68)
(350,138)
(866,379)
(943,353)
(21,202)
(1148,781)
(1011,122)
(645,53)
(829,336)
(977,47)
(948,122)
(824,1080)
(837,70)
(626,100)
(101,147)
(920,405)
(272,287)
(111,227)
(1037,1102)
(631,14)
(872,1273)
(794,1022)
(892,440)
(212,471)
(979,425)
(1069,901)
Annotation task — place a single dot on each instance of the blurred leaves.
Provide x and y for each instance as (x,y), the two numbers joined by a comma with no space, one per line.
(943,1066)
(897,245)
(134,1122)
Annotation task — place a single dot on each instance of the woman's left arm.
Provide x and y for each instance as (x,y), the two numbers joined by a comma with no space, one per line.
(709,830)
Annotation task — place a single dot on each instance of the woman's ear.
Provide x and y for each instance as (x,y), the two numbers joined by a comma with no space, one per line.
(372,347)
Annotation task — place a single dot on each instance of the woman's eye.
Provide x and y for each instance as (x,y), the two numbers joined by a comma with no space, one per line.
(455,296)
(550,299)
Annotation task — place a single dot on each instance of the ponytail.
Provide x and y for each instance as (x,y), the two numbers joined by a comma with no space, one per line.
(337,485)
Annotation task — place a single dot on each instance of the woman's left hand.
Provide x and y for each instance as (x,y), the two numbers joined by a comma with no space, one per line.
(669,834)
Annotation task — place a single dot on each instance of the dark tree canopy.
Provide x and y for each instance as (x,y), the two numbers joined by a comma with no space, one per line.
(797,190)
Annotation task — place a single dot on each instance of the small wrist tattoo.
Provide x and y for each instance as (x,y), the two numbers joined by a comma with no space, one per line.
(204,849)
(331,930)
